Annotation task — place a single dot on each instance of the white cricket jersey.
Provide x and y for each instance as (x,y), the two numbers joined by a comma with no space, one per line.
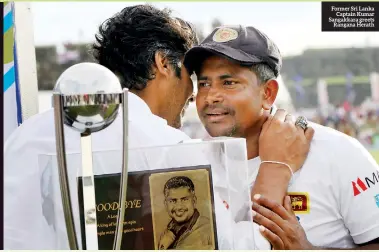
(335,194)
(26,221)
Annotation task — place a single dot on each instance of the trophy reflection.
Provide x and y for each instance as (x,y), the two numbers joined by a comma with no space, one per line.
(87,98)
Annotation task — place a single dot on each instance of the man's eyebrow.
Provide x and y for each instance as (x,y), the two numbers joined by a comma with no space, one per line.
(202,78)
(221,77)
(225,76)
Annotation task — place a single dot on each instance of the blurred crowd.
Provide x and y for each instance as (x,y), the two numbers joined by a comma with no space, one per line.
(359,122)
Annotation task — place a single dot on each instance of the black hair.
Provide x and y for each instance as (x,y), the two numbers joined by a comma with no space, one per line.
(127,43)
(177,182)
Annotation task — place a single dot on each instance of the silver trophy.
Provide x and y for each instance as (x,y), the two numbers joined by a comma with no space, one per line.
(87,98)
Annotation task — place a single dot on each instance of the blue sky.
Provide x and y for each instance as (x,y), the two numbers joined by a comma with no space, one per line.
(294,26)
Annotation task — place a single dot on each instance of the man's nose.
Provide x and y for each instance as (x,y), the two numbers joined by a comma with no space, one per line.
(179,206)
(214,95)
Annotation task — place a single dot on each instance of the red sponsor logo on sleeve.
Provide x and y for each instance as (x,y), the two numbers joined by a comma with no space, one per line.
(362,185)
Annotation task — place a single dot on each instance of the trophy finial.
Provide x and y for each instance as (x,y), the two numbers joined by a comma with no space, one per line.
(91,96)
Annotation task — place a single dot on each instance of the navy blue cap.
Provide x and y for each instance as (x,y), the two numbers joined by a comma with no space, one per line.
(246,45)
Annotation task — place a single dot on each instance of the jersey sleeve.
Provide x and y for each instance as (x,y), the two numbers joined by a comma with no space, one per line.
(358,178)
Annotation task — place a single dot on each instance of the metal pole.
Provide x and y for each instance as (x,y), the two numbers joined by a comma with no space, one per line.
(89,196)
(124,173)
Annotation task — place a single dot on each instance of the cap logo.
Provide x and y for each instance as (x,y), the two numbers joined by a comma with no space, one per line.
(225,34)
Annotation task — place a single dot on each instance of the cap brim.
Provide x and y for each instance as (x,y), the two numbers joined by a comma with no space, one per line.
(196,55)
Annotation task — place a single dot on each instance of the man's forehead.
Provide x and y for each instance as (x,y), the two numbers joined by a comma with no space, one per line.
(179,190)
(217,71)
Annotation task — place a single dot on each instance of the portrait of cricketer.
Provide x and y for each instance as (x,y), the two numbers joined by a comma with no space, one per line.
(187,229)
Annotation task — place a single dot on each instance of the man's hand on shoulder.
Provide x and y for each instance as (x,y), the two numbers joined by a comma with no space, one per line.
(281,143)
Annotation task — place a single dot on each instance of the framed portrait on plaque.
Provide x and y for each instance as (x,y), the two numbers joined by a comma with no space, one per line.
(161,204)
(182,204)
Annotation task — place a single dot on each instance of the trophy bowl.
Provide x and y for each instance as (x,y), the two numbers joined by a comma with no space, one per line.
(91,97)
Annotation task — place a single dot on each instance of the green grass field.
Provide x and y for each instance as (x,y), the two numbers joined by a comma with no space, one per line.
(375,154)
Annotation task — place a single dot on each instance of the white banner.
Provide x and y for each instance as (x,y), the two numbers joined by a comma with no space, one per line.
(374,81)
(323,96)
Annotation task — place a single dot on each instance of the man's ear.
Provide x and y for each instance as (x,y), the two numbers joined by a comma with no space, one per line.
(162,64)
(270,92)
(194,199)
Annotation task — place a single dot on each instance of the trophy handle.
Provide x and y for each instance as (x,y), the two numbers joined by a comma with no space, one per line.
(124,172)
(63,177)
